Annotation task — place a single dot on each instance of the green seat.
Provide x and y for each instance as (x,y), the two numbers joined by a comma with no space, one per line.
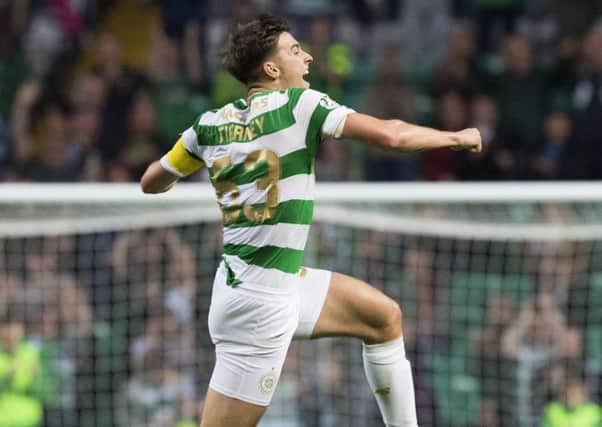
(456,390)
(470,292)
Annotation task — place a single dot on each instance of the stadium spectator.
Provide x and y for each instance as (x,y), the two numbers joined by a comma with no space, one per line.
(142,141)
(521,91)
(89,93)
(458,69)
(496,161)
(182,281)
(82,139)
(122,84)
(491,367)
(522,95)
(586,95)
(26,97)
(24,383)
(572,407)
(56,159)
(538,337)
(549,160)
(452,115)
(52,335)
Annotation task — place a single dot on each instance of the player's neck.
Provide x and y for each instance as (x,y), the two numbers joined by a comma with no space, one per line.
(256,88)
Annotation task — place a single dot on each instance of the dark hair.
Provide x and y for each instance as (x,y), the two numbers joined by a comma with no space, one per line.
(248,46)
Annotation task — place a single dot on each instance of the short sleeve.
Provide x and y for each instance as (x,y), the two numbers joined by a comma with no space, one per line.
(184,157)
(323,114)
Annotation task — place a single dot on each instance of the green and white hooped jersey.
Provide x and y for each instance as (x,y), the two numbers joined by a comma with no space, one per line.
(261,157)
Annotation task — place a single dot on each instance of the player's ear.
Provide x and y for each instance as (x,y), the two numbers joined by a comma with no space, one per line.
(271,70)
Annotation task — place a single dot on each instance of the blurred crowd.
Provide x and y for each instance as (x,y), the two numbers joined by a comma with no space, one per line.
(94,90)
(102,331)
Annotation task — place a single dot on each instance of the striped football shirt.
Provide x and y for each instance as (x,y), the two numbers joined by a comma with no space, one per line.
(261,154)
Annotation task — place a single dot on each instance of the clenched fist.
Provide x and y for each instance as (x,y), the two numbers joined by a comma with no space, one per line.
(469,139)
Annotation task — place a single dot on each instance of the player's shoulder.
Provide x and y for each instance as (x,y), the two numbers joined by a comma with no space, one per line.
(206,118)
(304,94)
(310,99)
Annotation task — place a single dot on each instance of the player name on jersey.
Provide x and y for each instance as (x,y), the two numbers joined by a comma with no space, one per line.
(241,133)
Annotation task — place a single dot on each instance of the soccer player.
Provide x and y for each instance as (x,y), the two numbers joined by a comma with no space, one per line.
(260,152)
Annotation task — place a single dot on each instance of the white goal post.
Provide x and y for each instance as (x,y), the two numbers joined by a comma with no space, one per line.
(199,198)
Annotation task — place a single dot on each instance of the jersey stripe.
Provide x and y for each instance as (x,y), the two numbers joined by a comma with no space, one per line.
(313,135)
(295,163)
(228,115)
(282,143)
(292,236)
(264,124)
(283,259)
(290,212)
(293,187)
(255,274)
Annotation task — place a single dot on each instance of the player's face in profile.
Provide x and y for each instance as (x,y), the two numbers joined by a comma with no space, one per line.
(292,61)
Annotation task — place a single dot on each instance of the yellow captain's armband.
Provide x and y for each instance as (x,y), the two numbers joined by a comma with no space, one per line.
(182,160)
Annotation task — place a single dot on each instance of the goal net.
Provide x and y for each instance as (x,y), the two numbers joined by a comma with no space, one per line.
(104,294)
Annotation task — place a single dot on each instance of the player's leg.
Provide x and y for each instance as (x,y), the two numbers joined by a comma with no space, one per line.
(220,410)
(354,308)
(351,307)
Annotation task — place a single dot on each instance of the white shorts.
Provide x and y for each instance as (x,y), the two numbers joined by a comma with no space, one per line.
(252,327)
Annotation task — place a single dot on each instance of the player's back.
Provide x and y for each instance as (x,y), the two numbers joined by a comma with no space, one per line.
(260,154)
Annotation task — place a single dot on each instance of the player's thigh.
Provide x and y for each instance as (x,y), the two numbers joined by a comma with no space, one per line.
(354,308)
(222,411)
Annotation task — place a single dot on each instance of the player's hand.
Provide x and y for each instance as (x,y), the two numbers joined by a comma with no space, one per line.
(470,139)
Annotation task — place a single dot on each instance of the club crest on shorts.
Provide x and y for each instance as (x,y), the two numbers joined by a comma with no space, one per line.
(267,383)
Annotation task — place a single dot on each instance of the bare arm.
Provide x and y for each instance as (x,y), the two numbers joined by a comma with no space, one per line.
(156,179)
(516,333)
(162,174)
(26,98)
(401,136)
